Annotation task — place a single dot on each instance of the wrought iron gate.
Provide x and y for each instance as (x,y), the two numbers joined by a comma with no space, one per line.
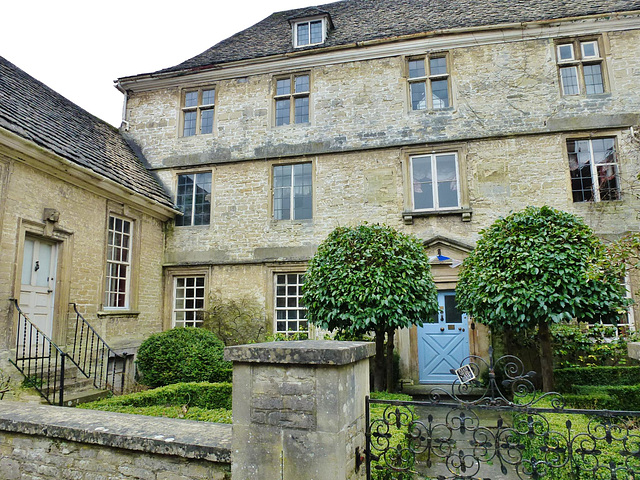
(511,431)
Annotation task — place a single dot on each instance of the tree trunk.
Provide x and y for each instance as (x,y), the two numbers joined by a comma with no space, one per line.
(389,358)
(378,371)
(546,356)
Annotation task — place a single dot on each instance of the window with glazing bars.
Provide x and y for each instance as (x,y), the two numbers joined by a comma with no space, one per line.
(292,192)
(292,99)
(118,263)
(194,199)
(309,33)
(291,316)
(593,164)
(580,67)
(188,304)
(429,83)
(197,111)
(434,180)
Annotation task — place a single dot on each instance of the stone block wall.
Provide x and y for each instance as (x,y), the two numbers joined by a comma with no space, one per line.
(52,443)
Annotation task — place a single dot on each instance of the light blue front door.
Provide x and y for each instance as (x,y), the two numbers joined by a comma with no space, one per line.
(444,344)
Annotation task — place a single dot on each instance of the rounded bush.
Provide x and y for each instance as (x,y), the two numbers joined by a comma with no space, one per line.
(182,355)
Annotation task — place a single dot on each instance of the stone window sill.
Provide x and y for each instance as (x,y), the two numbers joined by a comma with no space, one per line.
(117,313)
(408,216)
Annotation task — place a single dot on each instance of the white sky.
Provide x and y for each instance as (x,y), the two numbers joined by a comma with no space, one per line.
(78,47)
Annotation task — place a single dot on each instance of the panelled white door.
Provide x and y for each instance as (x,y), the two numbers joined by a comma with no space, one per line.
(39,262)
(444,344)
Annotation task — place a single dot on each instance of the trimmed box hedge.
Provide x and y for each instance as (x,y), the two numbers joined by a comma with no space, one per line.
(567,378)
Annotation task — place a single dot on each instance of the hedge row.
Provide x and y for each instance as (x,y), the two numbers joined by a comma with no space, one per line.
(195,394)
(567,378)
(607,397)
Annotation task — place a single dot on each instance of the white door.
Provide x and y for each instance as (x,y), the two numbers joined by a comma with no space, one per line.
(444,344)
(37,284)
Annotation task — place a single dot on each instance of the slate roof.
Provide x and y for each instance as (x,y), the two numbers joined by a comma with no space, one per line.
(37,113)
(363,20)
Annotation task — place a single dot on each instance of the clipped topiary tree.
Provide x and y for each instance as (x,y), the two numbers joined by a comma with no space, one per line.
(370,278)
(537,267)
(182,355)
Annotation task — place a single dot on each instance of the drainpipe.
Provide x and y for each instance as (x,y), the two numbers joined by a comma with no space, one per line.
(124,124)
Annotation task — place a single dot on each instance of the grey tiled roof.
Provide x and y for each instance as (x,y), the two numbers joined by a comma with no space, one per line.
(363,20)
(35,112)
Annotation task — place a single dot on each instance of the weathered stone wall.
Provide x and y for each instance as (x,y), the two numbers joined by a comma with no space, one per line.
(50,443)
(81,233)
(498,89)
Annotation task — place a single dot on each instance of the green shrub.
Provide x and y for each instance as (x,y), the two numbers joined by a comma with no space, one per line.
(624,397)
(236,321)
(182,355)
(195,394)
(567,378)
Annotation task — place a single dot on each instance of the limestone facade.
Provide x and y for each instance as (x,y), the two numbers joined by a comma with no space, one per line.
(508,124)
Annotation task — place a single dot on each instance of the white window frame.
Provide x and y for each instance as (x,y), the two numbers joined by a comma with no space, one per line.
(593,168)
(578,62)
(115,249)
(198,109)
(434,186)
(308,21)
(284,308)
(199,301)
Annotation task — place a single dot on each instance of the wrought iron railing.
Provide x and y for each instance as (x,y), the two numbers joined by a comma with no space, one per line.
(95,358)
(508,431)
(40,360)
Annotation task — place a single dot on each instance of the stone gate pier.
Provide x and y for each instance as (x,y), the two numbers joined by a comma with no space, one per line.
(299,409)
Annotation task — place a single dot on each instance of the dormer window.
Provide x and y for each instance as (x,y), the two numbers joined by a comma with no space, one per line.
(309,32)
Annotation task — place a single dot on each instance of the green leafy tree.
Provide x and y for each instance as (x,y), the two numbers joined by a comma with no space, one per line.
(537,267)
(370,278)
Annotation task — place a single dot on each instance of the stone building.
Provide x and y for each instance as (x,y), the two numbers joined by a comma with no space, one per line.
(81,220)
(434,117)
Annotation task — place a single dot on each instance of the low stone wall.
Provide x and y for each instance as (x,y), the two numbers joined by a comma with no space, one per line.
(44,442)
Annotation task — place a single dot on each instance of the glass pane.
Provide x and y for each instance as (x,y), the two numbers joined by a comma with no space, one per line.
(302,110)
(302,192)
(202,201)
(316,31)
(303,33)
(603,150)
(27,261)
(589,49)
(416,68)
(608,182)
(282,176)
(184,199)
(191,99)
(208,97)
(282,112)
(438,66)
(189,124)
(593,79)
(565,52)
(447,181)
(451,312)
(302,84)
(44,263)
(418,96)
(569,79)
(283,86)
(206,121)
(580,169)
(440,93)
(422,182)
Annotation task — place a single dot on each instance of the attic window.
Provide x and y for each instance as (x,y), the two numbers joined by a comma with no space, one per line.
(309,32)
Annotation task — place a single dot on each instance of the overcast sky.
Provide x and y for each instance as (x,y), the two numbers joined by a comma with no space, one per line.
(78,47)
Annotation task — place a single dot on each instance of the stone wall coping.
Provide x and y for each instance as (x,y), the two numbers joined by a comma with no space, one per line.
(634,350)
(304,352)
(166,436)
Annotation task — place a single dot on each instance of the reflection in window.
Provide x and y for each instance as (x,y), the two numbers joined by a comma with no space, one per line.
(429,83)
(292,191)
(580,67)
(593,165)
(194,199)
(434,181)
(291,316)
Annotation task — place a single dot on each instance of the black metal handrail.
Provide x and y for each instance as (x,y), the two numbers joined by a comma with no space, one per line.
(39,359)
(95,358)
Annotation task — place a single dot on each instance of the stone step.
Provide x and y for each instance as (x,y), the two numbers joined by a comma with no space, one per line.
(83,396)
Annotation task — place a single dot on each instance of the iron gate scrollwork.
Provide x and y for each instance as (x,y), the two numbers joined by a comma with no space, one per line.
(509,430)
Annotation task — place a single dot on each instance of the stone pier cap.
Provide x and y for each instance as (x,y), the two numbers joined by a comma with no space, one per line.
(304,352)
(634,350)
